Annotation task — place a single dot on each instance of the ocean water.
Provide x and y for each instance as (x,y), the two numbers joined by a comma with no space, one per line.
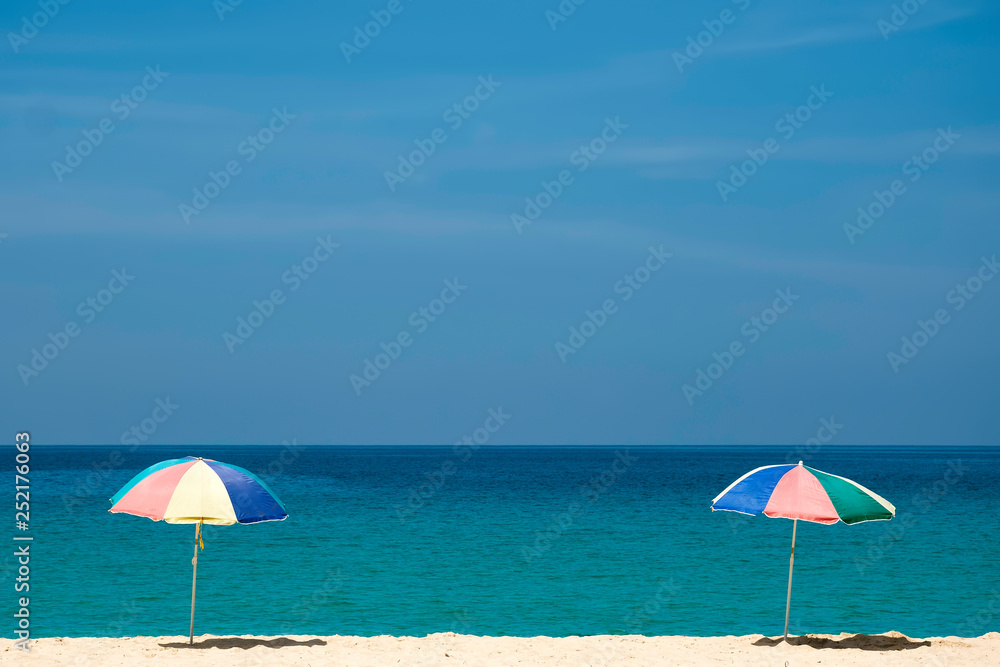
(517,541)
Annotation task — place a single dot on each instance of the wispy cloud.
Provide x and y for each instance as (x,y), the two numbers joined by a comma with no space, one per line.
(783,36)
(687,154)
(823,266)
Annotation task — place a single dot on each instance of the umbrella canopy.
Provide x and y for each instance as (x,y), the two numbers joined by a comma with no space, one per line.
(198,491)
(801,492)
(195,490)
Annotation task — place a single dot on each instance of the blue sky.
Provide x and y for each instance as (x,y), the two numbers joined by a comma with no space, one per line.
(653,181)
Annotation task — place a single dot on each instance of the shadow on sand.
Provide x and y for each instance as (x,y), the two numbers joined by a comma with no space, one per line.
(244,643)
(859,641)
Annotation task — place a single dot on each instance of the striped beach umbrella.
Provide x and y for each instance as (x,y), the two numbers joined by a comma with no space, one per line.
(800,492)
(198,491)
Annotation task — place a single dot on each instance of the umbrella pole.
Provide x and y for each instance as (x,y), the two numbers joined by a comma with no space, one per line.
(791,562)
(194,578)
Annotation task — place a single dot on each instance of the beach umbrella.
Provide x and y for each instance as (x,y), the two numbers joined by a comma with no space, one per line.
(198,491)
(800,492)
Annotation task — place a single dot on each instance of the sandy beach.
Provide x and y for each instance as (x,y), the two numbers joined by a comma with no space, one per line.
(451,649)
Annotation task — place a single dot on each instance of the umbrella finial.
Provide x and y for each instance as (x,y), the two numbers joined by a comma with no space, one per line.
(800,462)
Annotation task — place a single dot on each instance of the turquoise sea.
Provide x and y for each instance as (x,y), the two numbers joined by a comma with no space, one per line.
(517,541)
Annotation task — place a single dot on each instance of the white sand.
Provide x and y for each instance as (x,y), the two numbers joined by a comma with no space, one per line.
(451,649)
